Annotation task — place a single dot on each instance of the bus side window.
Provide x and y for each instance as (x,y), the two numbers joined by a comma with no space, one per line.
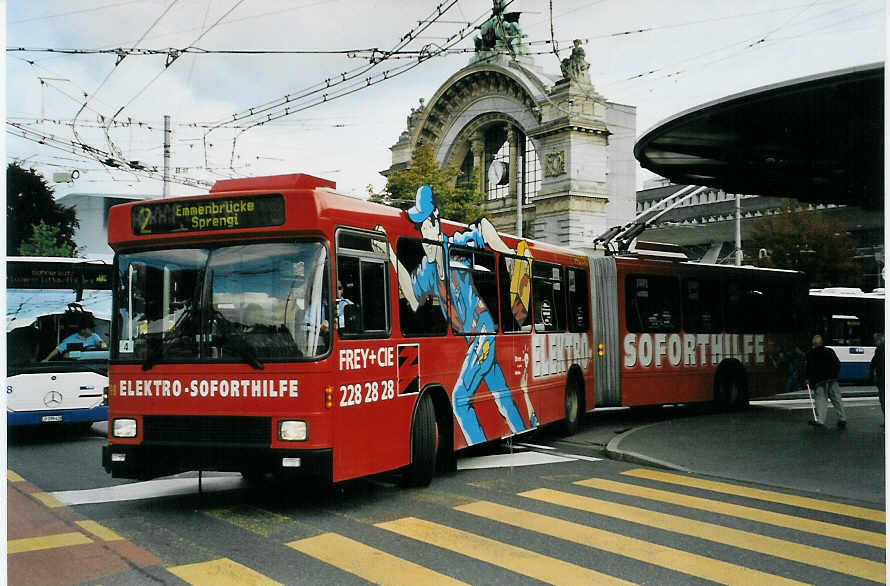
(362,300)
(515,279)
(548,297)
(701,306)
(751,307)
(429,318)
(579,300)
(652,303)
(478,268)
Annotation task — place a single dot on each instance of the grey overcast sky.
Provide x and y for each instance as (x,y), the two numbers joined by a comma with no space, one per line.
(662,57)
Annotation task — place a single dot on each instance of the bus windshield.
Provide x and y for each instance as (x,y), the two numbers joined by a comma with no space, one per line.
(240,303)
(41,320)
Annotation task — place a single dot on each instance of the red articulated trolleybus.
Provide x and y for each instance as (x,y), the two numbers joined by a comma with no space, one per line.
(277,326)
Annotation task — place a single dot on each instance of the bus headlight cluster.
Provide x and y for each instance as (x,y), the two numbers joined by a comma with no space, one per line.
(293,431)
(123,428)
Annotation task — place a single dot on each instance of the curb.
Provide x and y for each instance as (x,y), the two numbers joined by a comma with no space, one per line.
(614,452)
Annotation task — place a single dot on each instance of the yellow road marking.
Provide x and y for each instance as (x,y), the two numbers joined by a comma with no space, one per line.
(221,572)
(366,562)
(510,557)
(804,554)
(13,477)
(742,512)
(103,533)
(46,542)
(47,499)
(630,547)
(763,495)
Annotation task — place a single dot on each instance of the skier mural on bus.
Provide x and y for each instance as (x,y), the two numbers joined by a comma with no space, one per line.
(433,277)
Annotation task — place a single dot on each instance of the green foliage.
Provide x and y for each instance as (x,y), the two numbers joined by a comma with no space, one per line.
(460,203)
(30,202)
(45,241)
(803,240)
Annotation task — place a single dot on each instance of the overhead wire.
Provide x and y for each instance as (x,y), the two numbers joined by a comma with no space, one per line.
(735,49)
(76,148)
(343,77)
(110,73)
(289,104)
(73,12)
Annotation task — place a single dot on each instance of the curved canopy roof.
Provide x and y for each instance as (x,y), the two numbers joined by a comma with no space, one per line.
(819,139)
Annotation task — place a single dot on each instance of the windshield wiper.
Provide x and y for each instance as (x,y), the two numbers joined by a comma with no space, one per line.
(235,342)
(239,345)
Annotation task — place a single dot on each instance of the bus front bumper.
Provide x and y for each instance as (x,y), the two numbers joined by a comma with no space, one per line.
(57,416)
(150,461)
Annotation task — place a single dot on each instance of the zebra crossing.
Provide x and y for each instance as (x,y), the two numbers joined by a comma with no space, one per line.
(634,526)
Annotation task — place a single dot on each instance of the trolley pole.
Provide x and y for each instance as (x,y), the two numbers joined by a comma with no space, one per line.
(166,155)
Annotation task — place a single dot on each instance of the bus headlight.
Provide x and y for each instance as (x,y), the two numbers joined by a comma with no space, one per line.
(123,428)
(293,431)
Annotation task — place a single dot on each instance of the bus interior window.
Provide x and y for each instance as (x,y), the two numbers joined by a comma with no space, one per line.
(846,330)
(348,298)
(479,269)
(362,300)
(578,300)
(515,292)
(429,318)
(374,296)
(652,304)
(548,297)
(701,306)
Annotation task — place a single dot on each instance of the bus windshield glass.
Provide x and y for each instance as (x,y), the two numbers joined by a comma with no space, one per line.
(39,321)
(242,303)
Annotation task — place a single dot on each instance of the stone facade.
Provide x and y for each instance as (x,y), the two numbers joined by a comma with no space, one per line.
(527,136)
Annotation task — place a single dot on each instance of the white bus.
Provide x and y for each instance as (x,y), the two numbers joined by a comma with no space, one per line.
(54,375)
(847,318)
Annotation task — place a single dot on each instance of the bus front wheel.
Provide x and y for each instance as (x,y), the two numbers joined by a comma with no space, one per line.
(423,445)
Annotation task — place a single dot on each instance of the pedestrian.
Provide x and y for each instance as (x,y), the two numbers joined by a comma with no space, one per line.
(876,368)
(823,368)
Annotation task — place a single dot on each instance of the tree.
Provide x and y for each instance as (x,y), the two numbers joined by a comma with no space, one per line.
(460,203)
(30,203)
(45,242)
(803,240)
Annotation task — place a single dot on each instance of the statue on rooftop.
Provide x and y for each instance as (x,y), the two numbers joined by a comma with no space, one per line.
(575,67)
(500,31)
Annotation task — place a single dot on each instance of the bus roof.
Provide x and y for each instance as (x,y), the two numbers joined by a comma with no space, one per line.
(847,292)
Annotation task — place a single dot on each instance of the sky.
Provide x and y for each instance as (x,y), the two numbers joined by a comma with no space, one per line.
(662,57)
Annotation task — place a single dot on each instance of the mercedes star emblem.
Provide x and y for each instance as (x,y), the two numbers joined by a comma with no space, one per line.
(52,399)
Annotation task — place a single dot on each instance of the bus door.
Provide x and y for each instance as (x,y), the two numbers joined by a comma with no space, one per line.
(366,394)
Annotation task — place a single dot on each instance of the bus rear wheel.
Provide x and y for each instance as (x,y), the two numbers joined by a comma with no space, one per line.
(423,445)
(573,407)
(730,390)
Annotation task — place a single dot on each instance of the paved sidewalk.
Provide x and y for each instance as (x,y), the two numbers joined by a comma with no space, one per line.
(43,536)
(770,444)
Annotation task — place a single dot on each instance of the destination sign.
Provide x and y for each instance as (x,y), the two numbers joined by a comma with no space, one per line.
(49,275)
(200,215)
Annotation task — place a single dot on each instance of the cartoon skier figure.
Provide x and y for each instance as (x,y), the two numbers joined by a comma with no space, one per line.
(433,277)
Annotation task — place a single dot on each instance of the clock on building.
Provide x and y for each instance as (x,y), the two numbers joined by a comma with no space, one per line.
(498,173)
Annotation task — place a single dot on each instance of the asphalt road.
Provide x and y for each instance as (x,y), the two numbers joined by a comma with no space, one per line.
(538,509)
